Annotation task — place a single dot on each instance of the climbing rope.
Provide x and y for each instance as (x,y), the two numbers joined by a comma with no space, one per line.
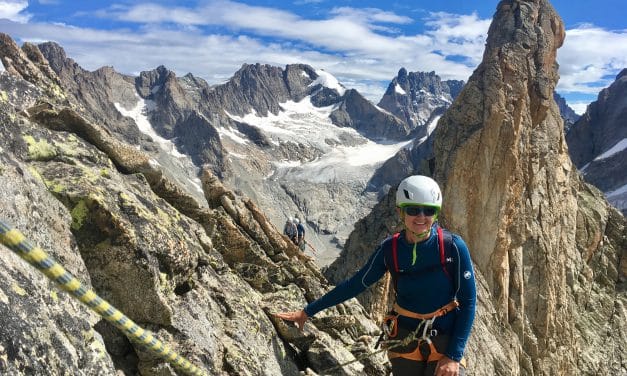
(35,256)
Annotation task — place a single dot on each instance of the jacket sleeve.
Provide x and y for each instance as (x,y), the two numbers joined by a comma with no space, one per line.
(366,276)
(467,297)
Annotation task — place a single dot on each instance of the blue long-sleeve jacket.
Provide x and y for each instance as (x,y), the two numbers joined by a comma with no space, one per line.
(421,293)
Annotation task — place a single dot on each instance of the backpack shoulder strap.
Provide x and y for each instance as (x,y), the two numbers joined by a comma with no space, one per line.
(449,257)
(395,250)
(391,259)
(445,240)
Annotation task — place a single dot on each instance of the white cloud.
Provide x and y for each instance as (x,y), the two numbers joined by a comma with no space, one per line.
(579,107)
(590,59)
(349,42)
(463,35)
(370,15)
(12,10)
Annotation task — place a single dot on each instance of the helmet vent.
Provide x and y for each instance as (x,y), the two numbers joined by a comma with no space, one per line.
(406,194)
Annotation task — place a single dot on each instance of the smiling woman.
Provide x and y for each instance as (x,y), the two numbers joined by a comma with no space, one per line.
(433,279)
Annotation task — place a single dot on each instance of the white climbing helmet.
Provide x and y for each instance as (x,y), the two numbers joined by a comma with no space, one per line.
(290,219)
(296,221)
(419,190)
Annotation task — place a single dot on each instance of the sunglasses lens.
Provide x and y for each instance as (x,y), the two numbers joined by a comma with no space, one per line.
(416,210)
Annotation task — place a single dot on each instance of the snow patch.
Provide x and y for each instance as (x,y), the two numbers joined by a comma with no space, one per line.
(233,135)
(346,163)
(617,192)
(618,198)
(328,80)
(302,122)
(617,148)
(2,66)
(399,90)
(430,128)
(140,115)
(298,122)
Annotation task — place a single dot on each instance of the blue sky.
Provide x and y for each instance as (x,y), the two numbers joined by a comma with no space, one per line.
(363,43)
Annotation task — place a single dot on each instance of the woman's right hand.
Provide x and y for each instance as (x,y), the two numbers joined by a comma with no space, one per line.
(299,317)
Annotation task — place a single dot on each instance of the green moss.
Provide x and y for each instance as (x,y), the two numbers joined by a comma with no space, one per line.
(97,346)
(39,150)
(56,91)
(18,290)
(165,284)
(79,213)
(68,149)
(33,171)
(55,187)
(104,172)
(54,296)
(4,97)
(126,199)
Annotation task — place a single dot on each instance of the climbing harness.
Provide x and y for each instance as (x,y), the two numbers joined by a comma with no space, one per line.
(390,322)
(427,333)
(35,256)
(421,331)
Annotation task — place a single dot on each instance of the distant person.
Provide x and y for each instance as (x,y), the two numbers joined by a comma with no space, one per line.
(434,286)
(300,234)
(290,229)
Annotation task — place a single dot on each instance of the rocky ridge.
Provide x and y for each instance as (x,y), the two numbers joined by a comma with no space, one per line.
(597,142)
(567,113)
(223,128)
(203,277)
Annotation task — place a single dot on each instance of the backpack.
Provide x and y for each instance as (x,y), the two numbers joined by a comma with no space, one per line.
(290,230)
(445,245)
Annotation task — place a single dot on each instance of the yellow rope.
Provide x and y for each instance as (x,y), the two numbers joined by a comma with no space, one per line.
(16,241)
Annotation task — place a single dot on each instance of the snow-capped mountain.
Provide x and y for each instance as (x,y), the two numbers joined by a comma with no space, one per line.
(292,139)
(597,142)
(418,97)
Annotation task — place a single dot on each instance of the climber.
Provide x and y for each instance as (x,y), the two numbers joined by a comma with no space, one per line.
(300,234)
(290,229)
(434,282)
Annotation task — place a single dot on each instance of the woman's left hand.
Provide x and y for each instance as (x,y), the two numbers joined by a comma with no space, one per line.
(447,367)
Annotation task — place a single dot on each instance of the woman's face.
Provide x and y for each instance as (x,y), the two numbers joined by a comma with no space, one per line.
(418,220)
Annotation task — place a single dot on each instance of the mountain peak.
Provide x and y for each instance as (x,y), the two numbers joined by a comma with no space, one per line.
(416,96)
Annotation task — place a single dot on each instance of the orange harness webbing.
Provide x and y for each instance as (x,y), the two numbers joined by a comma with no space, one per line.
(416,355)
(439,312)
